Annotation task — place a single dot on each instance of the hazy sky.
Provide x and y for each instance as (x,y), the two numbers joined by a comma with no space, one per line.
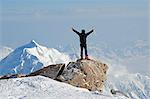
(116,22)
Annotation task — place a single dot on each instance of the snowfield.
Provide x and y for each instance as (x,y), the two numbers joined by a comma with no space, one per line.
(40,87)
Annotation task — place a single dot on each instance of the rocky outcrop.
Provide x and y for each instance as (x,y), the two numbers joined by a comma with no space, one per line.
(12,76)
(51,71)
(88,74)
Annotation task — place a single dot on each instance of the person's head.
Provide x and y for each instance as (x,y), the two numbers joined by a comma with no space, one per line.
(83,31)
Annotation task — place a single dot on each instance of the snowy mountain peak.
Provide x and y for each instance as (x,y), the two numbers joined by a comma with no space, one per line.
(34,43)
(31,57)
(31,44)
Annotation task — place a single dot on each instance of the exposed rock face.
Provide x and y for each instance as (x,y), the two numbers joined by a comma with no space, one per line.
(88,74)
(12,76)
(51,71)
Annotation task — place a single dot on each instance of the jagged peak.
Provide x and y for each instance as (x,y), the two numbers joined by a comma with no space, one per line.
(23,48)
(31,44)
(34,43)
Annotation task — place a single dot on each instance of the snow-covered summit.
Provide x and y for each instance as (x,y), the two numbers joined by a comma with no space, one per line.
(34,43)
(31,57)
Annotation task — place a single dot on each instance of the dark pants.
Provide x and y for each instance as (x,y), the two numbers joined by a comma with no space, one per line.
(83,46)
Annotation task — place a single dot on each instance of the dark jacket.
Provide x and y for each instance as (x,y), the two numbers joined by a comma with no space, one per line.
(82,36)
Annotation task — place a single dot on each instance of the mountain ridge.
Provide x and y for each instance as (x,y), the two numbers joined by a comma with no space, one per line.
(31,57)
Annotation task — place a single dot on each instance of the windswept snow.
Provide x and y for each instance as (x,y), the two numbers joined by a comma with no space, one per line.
(44,88)
(31,57)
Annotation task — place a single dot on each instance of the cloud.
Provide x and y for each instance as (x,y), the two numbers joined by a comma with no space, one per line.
(76,11)
(113,11)
(140,43)
(134,58)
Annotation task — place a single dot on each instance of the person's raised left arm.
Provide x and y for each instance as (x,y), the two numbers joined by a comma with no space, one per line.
(89,32)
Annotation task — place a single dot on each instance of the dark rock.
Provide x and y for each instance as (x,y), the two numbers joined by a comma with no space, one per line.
(51,71)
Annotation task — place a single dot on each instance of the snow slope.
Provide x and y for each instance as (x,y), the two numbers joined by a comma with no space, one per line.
(44,88)
(31,57)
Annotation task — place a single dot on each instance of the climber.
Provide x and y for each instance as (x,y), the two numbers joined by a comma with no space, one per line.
(83,44)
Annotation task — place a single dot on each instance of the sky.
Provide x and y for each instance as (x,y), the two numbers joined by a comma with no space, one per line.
(116,22)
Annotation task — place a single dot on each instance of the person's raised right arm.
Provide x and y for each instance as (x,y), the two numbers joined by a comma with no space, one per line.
(75,31)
